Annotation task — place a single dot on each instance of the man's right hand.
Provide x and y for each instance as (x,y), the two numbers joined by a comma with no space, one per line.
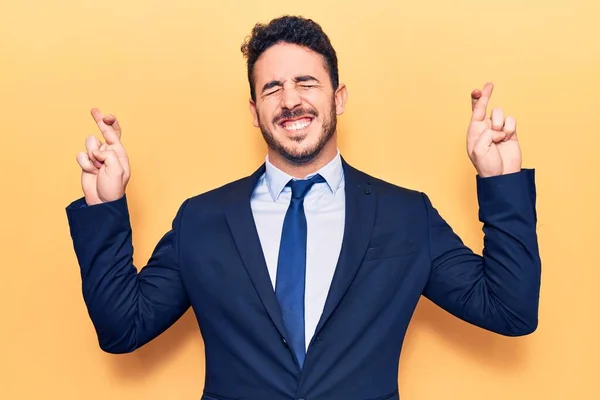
(105,168)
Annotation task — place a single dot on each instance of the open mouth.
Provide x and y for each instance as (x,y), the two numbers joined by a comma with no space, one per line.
(295,125)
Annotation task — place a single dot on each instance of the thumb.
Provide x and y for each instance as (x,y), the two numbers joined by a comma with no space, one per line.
(487,138)
(109,159)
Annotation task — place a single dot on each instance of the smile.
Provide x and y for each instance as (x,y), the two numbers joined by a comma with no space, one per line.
(297,124)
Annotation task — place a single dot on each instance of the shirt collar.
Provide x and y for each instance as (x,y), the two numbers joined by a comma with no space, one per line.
(276,179)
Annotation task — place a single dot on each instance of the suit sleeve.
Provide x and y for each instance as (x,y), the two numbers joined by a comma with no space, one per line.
(127,308)
(499,290)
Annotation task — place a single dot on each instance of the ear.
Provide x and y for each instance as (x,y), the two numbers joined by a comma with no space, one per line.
(341,96)
(254,113)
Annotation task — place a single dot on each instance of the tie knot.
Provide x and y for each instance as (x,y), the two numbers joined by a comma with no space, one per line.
(301,187)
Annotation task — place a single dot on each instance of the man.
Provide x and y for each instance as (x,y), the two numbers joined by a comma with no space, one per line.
(304,275)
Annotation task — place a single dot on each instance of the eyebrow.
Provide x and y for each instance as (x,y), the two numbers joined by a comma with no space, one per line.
(302,78)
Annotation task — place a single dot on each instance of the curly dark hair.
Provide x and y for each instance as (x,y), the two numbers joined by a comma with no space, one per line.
(294,30)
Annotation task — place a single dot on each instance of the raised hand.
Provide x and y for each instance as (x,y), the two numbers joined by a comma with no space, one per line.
(492,142)
(105,168)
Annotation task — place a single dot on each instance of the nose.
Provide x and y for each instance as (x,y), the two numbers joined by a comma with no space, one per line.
(290,98)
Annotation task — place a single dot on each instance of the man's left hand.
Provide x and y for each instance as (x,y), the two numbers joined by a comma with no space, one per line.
(492,142)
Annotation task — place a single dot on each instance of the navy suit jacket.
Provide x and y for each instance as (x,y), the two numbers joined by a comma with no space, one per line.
(396,247)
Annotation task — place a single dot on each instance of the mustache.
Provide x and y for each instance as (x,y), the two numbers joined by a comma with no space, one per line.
(295,113)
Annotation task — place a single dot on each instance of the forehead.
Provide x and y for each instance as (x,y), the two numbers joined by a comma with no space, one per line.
(285,61)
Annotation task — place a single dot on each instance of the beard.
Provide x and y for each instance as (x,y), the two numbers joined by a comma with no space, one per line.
(305,155)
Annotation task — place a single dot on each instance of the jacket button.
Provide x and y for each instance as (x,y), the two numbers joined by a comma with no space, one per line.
(286,345)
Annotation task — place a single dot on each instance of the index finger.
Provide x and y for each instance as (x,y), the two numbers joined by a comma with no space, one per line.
(107,129)
(479,102)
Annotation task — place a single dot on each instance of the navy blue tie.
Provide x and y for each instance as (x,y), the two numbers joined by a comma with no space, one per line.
(291,266)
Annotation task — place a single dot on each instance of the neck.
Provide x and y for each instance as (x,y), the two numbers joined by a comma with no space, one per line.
(301,170)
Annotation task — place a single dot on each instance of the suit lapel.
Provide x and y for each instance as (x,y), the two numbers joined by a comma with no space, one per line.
(239,216)
(360,218)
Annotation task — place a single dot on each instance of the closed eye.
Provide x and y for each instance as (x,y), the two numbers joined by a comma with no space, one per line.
(272,92)
(307,86)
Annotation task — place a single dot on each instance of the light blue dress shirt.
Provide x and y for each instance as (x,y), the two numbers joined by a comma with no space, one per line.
(324,206)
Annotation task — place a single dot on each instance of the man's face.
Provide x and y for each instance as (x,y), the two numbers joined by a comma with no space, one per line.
(296,107)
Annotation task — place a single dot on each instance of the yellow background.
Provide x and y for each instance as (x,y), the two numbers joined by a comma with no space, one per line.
(173,74)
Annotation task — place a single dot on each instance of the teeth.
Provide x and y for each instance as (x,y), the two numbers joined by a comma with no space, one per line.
(295,126)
